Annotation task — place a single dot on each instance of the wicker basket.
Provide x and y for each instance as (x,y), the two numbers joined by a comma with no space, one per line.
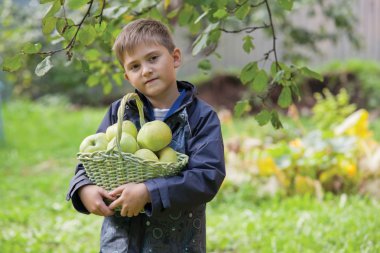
(110,169)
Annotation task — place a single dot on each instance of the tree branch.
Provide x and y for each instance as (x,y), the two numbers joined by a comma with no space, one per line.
(272,86)
(100,16)
(274,36)
(246,29)
(145,10)
(71,44)
(240,5)
(258,4)
(236,7)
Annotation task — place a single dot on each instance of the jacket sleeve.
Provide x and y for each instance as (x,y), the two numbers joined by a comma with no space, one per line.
(205,172)
(80,178)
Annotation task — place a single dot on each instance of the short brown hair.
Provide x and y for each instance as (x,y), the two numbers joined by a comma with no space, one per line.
(142,31)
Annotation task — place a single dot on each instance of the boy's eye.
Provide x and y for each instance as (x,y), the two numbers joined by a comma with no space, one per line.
(153,58)
(134,67)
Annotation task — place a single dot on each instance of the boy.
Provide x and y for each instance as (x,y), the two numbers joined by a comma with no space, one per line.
(174,207)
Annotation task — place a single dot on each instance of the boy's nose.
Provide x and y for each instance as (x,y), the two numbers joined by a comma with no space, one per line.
(147,71)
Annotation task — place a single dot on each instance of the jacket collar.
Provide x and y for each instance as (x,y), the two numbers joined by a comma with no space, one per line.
(187,87)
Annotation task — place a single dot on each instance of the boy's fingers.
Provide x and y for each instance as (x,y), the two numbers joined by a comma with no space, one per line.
(106,194)
(117,191)
(124,211)
(105,210)
(115,204)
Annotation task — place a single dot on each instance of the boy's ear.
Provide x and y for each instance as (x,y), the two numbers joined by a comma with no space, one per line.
(177,56)
(126,76)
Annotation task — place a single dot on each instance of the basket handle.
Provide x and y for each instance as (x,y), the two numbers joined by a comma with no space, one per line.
(120,114)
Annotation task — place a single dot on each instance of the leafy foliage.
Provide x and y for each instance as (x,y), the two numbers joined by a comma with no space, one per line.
(335,152)
(338,108)
(85,31)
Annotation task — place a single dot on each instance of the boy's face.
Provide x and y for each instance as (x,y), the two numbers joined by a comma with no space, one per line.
(150,68)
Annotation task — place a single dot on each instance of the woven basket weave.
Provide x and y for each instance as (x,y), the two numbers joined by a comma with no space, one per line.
(110,169)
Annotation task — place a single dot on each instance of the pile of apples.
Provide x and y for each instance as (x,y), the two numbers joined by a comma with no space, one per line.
(150,143)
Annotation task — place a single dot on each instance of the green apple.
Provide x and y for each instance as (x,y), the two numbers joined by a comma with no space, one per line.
(127,127)
(92,143)
(146,154)
(154,135)
(167,155)
(128,143)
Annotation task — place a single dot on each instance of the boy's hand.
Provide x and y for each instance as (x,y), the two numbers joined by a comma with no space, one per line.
(92,198)
(132,198)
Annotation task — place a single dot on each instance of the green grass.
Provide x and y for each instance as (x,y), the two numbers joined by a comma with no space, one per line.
(38,160)
(239,223)
(375,128)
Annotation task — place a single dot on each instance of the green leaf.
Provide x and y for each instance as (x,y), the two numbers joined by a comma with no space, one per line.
(31,48)
(286,4)
(45,1)
(201,16)
(92,55)
(248,73)
(210,34)
(101,6)
(275,120)
(62,24)
(54,8)
(248,45)
(260,82)
(87,35)
(69,33)
(93,80)
(85,66)
(199,44)
(274,68)
(217,55)
(76,4)
(214,36)
(48,24)
(221,3)
(100,28)
(243,11)
(44,66)
(11,64)
(263,117)
(296,91)
(185,15)
(285,98)
(211,27)
(309,73)
(205,64)
(220,13)
(117,79)
(173,13)
(107,85)
(278,76)
(241,107)
(155,14)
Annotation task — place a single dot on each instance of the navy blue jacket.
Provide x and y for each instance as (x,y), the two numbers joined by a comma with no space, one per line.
(175,219)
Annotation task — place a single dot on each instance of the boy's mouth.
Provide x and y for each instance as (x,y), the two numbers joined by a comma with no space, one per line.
(150,80)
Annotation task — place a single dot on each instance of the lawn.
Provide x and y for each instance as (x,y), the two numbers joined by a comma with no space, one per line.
(38,160)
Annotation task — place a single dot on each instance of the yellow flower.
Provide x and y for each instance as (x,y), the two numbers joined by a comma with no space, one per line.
(128,18)
(267,166)
(297,143)
(356,124)
(349,168)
